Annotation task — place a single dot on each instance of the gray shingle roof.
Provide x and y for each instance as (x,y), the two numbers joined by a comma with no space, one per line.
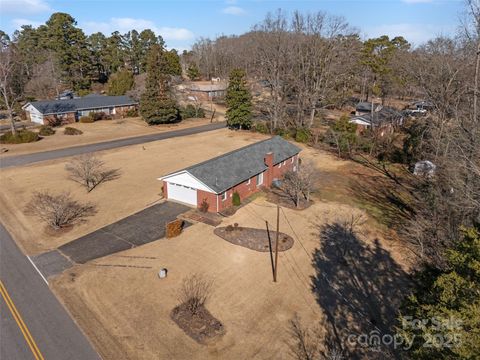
(225,171)
(84,103)
(384,115)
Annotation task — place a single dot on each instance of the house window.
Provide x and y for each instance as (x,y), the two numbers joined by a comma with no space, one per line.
(224,196)
(249,181)
(259,179)
(293,157)
(285,162)
(279,165)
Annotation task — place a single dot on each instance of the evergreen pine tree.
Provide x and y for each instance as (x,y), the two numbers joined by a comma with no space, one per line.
(239,101)
(156,105)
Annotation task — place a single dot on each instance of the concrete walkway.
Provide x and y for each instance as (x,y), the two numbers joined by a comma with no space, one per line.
(141,228)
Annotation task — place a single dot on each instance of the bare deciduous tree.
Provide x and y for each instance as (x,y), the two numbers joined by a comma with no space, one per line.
(58,210)
(12,79)
(90,171)
(299,184)
(195,291)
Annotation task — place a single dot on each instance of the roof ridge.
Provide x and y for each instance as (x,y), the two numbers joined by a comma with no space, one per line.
(232,152)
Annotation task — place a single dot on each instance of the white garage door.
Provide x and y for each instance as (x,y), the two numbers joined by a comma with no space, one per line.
(182,193)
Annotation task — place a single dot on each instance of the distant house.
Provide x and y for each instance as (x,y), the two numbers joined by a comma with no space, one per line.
(383,118)
(245,171)
(50,112)
(364,107)
(206,92)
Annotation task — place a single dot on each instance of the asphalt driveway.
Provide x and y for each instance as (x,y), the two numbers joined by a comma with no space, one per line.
(140,228)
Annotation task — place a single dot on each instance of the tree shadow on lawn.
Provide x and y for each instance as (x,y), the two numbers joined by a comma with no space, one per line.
(389,204)
(359,287)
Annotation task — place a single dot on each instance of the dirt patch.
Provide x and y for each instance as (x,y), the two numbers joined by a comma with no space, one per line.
(254,239)
(279,197)
(201,326)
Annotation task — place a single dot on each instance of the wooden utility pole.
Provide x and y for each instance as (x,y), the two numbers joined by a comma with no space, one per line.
(276,246)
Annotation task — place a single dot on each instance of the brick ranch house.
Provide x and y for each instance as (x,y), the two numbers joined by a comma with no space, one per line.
(245,171)
(52,112)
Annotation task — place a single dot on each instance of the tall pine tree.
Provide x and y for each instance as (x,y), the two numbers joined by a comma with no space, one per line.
(156,105)
(239,101)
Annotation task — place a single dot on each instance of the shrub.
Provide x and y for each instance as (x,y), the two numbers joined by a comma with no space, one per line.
(190,111)
(72,131)
(195,291)
(261,127)
(58,210)
(120,82)
(22,136)
(97,115)
(236,199)
(86,119)
(174,228)
(89,171)
(302,135)
(204,206)
(131,113)
(229,228)
(46,130)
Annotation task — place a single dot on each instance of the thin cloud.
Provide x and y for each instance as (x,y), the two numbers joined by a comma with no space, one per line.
(417,1)
(18,23)
(24,6)
(415,34)
(126,24)
(234,10)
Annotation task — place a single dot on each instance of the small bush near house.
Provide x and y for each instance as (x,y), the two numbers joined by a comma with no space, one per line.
(303,135)
(98,115)
(72,131)
(46,130)
(58,210)
(260,127)
(190,111)
(86,119)
(236,199)
(204,206)
(22,136)
(174,228)
(131,113)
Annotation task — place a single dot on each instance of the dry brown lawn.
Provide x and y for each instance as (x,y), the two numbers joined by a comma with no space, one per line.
(137,187)
(126,310)
(124,307)
(95,132)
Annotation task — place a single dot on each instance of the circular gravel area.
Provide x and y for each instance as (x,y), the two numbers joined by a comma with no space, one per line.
(254,239)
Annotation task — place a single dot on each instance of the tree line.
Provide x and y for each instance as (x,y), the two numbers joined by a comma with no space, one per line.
(59,55)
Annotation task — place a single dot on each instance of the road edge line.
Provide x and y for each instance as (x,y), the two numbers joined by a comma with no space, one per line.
(36,268)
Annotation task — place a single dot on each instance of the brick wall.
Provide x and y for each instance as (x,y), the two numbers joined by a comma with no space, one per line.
(60,119)
(244,189)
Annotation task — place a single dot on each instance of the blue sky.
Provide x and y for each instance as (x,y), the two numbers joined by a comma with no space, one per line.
(181,22)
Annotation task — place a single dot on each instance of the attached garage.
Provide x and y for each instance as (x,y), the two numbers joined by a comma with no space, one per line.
(182,193)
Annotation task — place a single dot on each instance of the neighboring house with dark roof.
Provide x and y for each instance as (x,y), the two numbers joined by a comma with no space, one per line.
(364,107)
(245,171)
(53,112)
(384,119)
(204,92)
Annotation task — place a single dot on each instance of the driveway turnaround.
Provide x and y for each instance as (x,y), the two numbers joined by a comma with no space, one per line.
(83,149)
(33,324)
(143,227)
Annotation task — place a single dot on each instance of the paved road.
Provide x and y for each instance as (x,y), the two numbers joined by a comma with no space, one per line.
(77,150)
(49,325)
(135,230)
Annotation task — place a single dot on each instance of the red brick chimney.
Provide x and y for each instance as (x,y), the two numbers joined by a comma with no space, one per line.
(268,175)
